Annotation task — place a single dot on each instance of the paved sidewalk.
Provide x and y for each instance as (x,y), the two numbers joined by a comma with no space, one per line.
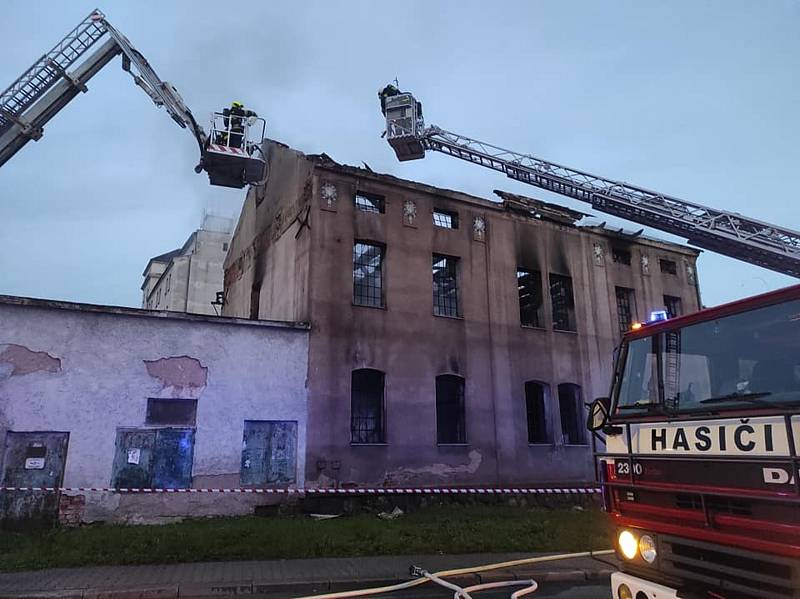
(272,578)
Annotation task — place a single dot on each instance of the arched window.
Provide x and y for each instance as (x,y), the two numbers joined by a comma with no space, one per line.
(367,421)
(450,413)
(536,396)
(570,404)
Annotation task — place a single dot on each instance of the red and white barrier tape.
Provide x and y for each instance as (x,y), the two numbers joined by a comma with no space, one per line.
(347,491)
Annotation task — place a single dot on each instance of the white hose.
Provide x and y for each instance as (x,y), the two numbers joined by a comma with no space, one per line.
(526,591)
(459,592)
(530,588)
(447,573)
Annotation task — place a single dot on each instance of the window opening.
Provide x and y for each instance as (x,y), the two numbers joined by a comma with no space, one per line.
(563,302)
(171,411)
(570,405)
(621,256)
(536,410)
(668,266)
(529,286)
(450,416)
(673,305)
(445,219)
(369,203)
(366,407)
(445,285)
(367,274)
(625,303)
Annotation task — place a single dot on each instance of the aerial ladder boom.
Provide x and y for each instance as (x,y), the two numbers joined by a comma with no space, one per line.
(764,244)
(58,76)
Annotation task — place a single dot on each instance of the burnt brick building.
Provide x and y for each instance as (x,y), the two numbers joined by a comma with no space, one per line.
(454,340)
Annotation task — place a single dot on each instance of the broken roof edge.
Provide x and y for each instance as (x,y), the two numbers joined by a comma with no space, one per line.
(511,202)
(539,209)
(48,304)
(637,237)
(325,162)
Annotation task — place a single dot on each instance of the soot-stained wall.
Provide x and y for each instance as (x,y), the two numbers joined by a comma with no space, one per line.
(485,343)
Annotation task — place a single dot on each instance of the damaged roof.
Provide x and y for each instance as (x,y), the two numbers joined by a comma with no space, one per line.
(533,208)
(511,203)
(325,161)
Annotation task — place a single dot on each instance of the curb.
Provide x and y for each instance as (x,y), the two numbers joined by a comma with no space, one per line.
(231,589)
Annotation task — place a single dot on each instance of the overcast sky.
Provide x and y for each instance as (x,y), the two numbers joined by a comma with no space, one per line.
(699,99)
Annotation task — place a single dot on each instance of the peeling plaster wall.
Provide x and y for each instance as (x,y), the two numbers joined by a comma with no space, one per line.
(182,373)
(22,360)
(88,371)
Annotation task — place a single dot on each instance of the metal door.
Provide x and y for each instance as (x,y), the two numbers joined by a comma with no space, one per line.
(269,452)
(133,459)
(154,458)
(32,459)
(172,466)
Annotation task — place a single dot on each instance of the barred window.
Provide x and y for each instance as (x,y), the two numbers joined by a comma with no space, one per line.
(367,274)
(621,255)
(570,404)
(368,202)
(450,416)
(673,306)
(625,303)
(529,285)
(366,407)
(536,394)
(445,285)
(445,219)
(668,266)
(563,302)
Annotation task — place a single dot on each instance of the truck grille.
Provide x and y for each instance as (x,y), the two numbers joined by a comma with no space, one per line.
(717,505)
(736,573)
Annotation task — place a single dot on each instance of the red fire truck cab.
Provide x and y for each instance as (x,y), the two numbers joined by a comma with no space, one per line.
(697,453)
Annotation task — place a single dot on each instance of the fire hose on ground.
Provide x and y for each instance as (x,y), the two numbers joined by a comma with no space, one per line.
(464,593)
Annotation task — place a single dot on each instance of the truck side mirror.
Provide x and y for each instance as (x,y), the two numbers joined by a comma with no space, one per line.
(598,414)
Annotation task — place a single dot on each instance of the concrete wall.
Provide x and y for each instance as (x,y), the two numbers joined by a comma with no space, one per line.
(151,275)
(90,370)
(189,281)
(206,273)
(267,267)
(486,345)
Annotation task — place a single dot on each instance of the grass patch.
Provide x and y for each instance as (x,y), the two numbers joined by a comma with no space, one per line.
(451,529)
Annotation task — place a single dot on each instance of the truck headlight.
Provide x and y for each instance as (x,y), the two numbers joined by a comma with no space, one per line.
(647,548)
(628,544)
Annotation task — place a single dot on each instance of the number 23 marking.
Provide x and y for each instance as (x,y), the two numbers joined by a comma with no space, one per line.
(624,468)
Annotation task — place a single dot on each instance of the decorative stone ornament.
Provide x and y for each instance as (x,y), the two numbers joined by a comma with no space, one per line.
(409,213)
(689,272)
(329,195)
(645,261)
(478,228)
(598,254)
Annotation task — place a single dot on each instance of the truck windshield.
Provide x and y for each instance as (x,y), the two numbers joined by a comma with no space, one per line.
(749,359)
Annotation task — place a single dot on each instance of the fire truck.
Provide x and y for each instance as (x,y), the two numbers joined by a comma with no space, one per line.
(697,445)
(700,467)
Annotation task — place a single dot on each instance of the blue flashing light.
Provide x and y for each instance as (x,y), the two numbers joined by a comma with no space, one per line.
(658,315)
